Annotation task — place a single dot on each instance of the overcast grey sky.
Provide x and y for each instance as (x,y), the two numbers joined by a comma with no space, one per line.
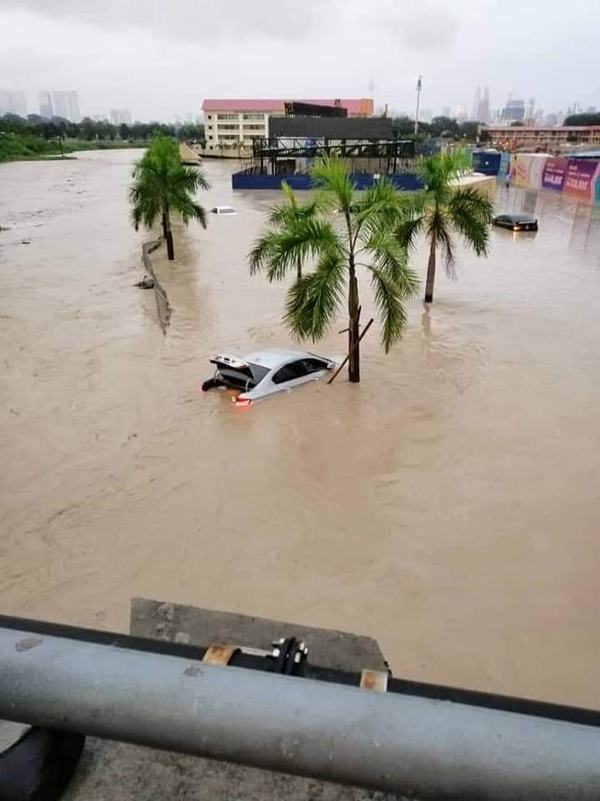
(159,58)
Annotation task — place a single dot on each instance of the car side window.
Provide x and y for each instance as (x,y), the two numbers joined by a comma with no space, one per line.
(290,371)
(314,365)
(502,218)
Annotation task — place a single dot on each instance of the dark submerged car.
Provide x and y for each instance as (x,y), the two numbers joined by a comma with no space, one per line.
(516,222)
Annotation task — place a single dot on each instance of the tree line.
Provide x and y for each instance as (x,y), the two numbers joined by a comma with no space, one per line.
(439,126)
(89,130)
(587,118)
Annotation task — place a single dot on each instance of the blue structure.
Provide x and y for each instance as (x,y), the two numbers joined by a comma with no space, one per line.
(486,161)
(248,179)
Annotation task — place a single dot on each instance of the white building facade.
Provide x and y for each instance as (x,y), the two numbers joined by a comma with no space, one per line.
(237,123)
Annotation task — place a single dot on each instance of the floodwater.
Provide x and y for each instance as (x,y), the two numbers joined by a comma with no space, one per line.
(448,505)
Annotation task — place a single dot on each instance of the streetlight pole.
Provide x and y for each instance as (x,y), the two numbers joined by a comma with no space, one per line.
(419,87)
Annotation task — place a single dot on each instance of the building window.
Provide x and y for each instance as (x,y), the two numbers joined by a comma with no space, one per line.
(227,116)
(210,116)
(210,137)
(227,127)
(254,127)
(254,116)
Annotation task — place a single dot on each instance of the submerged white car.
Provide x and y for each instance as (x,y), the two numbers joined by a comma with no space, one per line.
(265,372)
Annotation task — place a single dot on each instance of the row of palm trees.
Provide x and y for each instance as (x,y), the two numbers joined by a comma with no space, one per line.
(340,232)
(335,235)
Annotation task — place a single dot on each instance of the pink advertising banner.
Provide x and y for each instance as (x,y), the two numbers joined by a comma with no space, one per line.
(554,173)
(579,178)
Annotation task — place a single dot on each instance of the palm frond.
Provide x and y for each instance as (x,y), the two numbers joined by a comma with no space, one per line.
(408,230)
(313,301)
(471,214)
(261,252)
(388,299)
(390,258)
(331,174)
(278,251)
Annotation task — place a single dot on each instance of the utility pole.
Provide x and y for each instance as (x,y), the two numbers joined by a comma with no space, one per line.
(419,87)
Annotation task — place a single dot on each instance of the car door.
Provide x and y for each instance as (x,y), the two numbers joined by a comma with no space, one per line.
(291,375)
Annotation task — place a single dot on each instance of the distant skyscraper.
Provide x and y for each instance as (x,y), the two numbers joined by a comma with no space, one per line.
(60,104)
(120,116)
(513,111)
(66,105)
(13,103)
(73,106)
(483,111)
(45,103)
(476,104)
(529,111)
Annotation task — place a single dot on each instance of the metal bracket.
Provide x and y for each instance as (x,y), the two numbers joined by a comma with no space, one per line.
(289,654)
(219,654)
(374,680)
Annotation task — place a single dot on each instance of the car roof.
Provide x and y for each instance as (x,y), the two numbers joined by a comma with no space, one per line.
(273,357)
(518,217)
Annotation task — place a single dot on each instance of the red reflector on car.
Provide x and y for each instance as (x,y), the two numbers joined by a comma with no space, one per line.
(242,401)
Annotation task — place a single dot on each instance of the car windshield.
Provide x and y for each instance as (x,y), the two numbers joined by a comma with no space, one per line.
(239,379)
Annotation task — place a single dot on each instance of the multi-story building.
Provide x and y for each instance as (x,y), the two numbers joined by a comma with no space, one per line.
(45,103)
(237,123)
(66,105)
(60,104)
(120,116)
(73,106)
(515,137)
(514,110)
(13,103)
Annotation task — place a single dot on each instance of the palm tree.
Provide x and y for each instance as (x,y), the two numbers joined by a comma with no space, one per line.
(442,209)
(342,233)
(162,185)
(288,214)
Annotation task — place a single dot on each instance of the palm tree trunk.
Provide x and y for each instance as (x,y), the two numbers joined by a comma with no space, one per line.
(353,330)
(299,268)
(166,222)
(430,271)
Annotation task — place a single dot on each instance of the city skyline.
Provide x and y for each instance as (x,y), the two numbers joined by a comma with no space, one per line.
(65,104)
(158,63)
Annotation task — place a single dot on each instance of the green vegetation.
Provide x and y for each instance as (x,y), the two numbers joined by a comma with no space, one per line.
(289,214)
(341,232)
(36,137)
(442,209)
(448,127)
(14,147)
(163,186)
(587,118)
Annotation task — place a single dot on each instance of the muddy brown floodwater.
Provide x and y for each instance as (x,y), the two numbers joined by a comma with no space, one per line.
(448,506)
